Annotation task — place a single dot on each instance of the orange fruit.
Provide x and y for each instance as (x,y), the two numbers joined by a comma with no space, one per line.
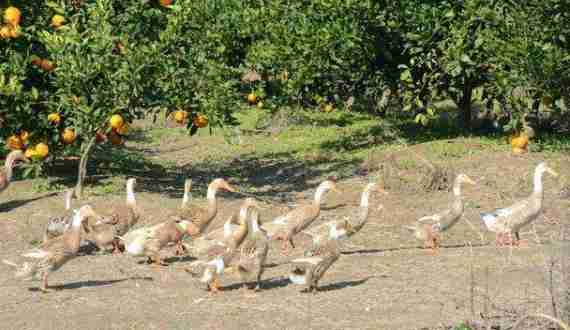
(200,120)
(165,3)
(260,105)
(37,61)
(47,65)
(24,135)
(328,108)
(100,137)
(5,32)
(68,136)
(12,16)
(116,121)
(41,149)
(14,32)
(54,118)
(57,21)
(180,116)
(115,138)
(123,130)
(252,98)
(30,153)
(14,142)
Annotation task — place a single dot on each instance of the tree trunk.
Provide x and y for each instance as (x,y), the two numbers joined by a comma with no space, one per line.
(83,168)
(465,105)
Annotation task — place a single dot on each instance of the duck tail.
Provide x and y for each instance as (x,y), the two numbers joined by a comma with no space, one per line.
(24,270)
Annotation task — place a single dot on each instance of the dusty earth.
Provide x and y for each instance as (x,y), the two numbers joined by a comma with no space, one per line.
(383,280)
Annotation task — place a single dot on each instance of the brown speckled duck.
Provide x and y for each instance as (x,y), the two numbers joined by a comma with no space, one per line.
(219,256)
(7,171)
(253,253)
(285,227)
(506,221)
(53,254)
(339,229)
(118,222)
(202,217)
(57,225)
(310,269)
(428,228)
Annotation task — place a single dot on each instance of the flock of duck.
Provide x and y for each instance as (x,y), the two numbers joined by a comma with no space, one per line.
(243,243)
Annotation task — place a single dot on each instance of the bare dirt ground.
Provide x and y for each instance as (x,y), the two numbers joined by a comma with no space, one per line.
(383,280)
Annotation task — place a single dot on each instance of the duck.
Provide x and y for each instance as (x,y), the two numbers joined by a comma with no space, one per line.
(53,254)
(200,217)
(429,228)
(148,241)
(118,222)
(253,253)
(309,270)
(286,226)
(342,229)
(510,220)
(219,256)
(7,171)
(57,225)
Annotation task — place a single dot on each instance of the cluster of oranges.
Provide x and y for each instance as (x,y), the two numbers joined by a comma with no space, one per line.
(119,128)
(20,142)
(11,28)
(199,120)
(253,99)
(67,135)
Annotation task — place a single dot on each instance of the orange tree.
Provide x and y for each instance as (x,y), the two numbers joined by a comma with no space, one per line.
(75,73)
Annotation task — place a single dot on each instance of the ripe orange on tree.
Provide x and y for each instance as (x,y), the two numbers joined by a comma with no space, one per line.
(116,121)
(165,3)
(200,120)
(252,98)
(57,21)
(123,130)
(5,32)
(30,152)
(68,136)
(24,135)
(14,142)
(41,149)
(12,16)
(180,116)
(54,118)
(115,138)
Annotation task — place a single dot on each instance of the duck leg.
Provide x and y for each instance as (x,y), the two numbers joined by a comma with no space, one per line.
(215,286)
(180,249)
(116,248)
(287,247)
(44,286)
(518,242)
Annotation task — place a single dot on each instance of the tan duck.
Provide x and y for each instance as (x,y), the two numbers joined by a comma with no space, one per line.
(202,217)
(253,253)
(340,229)
(57,225)
(118,222)
(7,171)
(220,255)
(53,254)
(186,200)
(148,241)
(506,221)
(285,227)
(310,269)
(428,228)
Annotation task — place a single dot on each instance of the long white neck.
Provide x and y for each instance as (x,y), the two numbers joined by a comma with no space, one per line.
(254,222)
(457,188)
(212,190)
(186,199)
(319,194)
(77,219)
(228,228)
(68,196)
(8,167)
(364,200)
(243,214)
(130,194)
(538,181)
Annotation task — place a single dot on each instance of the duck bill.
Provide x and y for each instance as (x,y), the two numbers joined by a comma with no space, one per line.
(382,191)
(229,188)
(470,181)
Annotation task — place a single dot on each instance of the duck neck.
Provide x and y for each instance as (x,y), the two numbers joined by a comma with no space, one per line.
(131,201)
(239,235)
(365,199)
(212,203)
(537,182)
(68,196)
(8,165)
(186,199)
(319,194)
(457,189)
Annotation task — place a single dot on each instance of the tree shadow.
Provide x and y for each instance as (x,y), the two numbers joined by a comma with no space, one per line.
(10,205)
(91,283)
